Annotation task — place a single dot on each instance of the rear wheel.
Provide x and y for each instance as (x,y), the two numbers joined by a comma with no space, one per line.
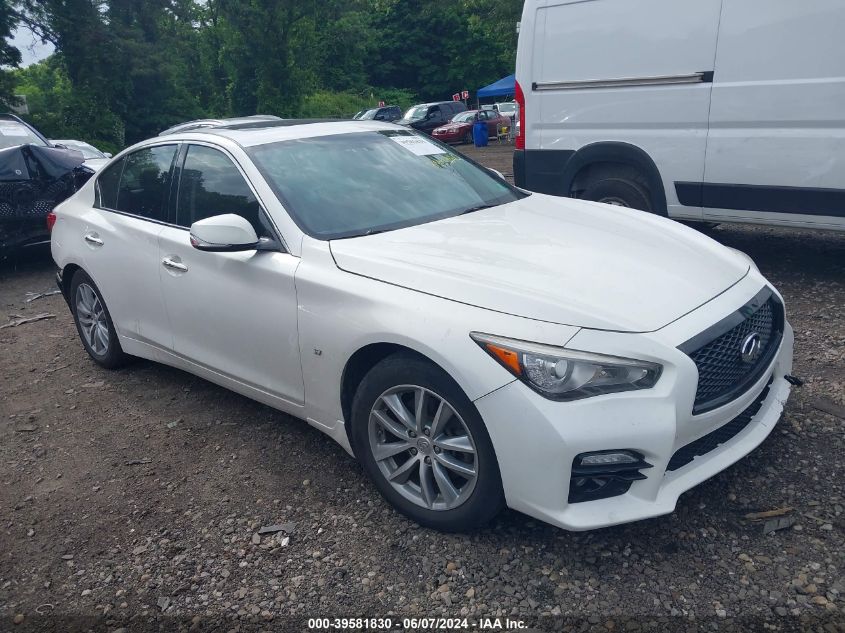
(619,191)
(94,323)
(424,445)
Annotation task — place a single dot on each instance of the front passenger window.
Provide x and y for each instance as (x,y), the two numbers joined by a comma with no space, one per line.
(211,185)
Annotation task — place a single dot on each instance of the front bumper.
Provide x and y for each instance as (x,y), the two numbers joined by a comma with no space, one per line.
(536,440)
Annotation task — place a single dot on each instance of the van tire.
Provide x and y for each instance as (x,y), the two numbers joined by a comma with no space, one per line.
(623,192)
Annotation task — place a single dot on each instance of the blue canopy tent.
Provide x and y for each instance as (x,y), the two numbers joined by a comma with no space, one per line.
(503,87)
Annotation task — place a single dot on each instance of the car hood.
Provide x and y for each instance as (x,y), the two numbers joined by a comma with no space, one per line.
(554,259)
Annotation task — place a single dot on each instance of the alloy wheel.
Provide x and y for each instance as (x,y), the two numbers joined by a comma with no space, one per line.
(422,447)
(616,202)
(92,319)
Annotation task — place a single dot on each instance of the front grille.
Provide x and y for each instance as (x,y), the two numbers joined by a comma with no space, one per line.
(723,375)
(714,439)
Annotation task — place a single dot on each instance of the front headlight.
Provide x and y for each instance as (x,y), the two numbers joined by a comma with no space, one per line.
(558,373)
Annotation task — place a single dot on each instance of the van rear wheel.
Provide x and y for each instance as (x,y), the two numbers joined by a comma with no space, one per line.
(621,192)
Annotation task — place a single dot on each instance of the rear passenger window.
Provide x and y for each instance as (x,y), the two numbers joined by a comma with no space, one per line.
(211,185)
(107,183)
(145,183)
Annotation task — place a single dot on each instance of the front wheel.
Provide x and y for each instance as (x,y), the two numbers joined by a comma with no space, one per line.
(424,445)
(94,323)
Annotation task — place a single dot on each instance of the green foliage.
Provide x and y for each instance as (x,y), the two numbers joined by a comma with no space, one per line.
(344,105)
(10,57)
(126,69)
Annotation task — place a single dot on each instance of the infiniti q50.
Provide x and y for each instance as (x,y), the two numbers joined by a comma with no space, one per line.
(474,345)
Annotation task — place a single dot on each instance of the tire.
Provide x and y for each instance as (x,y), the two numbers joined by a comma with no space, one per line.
(624,192)
(99,338)
(405,375)
(468,138)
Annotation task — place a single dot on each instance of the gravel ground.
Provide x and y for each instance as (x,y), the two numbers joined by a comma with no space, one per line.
(139,494)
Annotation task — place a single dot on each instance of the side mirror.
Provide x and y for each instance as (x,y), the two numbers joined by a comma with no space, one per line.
(108,154)
(227,233)
(496,172)
(60,146)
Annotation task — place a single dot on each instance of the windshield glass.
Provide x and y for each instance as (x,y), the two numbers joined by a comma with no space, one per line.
(506,107)
(13,133)
(417,112)
(464,117)
(346,185)
(369,115)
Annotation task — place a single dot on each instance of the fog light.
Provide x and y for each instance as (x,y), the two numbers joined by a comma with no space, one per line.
(608,459)
(604,474)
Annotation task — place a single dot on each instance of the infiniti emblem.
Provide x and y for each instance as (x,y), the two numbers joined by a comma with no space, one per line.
(751,347)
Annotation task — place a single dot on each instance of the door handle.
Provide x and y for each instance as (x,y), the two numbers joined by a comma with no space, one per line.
(92,238)
(167,262)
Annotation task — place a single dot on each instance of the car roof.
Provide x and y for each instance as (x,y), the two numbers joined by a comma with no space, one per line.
(214,123)
(252,133)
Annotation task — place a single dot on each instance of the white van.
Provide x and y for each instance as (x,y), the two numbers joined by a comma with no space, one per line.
(702,110)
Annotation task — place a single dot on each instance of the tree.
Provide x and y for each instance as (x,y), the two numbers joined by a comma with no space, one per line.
(10,57)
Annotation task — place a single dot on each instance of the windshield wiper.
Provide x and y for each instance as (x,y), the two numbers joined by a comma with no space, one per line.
(480,207)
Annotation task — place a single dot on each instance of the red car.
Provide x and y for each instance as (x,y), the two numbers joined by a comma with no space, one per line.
(459,129)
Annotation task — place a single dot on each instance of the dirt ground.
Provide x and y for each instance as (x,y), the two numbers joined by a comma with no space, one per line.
(138,494)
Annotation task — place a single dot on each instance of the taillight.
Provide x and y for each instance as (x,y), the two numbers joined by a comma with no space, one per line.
(520,101)
(51,220)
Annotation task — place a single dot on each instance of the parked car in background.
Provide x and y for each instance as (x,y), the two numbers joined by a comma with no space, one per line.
(459,129)
(711,111)
(94,158)
(384,113)
(472,344)
(508,108)
(427,116)
(34,178)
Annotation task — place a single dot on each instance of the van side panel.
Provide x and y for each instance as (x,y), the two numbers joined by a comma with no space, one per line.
(609,40)
(776,148)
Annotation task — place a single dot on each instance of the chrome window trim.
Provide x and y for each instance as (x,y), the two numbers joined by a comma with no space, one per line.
(179,143)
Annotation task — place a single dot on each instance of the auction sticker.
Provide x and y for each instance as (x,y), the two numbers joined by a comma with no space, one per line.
(417,144)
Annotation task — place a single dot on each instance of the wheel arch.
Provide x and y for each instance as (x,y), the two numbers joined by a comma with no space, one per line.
(68,271)
(617,152)
(360,362)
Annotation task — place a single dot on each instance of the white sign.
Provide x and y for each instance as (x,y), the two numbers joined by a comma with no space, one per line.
(417,144)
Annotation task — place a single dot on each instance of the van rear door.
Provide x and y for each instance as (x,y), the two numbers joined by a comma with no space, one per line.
(776,146)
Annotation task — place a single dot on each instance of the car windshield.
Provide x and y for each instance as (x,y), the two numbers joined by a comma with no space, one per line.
(88,151)
(369,115)
(507,107)
(415,113)
(14,133)
(347,185)
(464,117)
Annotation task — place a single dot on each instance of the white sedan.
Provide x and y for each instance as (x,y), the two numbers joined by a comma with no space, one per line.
(472,344)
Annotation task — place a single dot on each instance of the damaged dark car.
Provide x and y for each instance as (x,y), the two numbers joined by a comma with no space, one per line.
(34,178)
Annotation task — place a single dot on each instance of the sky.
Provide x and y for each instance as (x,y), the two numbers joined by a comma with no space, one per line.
(31,48)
